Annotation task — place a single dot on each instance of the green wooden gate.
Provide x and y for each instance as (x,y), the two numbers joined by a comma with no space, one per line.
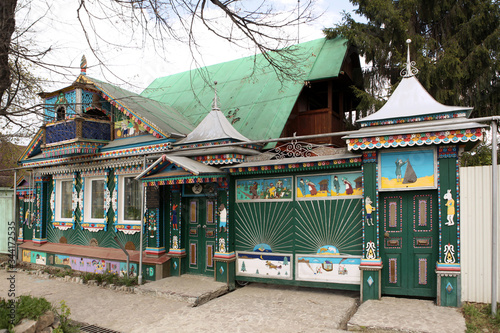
(409,242)
(298,230)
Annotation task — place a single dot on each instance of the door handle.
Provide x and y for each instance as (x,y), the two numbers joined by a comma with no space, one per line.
(198,226)
(204,227)
(386,235)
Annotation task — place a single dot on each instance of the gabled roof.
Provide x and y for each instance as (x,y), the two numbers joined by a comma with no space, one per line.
(410,99)
(159,116)
(255,101)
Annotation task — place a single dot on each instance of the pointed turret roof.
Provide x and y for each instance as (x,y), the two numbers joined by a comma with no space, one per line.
(411,100)
(412,117)
(213,127)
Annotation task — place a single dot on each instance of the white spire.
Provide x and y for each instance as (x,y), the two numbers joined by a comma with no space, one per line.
(215,107)
(410,69)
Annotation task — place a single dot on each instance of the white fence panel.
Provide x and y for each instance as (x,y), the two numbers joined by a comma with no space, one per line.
(475,233)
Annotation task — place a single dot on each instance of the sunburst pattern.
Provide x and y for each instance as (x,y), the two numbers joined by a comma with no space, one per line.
(329,222)
(104,238)
(268,223)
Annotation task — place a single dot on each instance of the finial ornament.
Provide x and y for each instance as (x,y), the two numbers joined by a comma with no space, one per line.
(410,69)
(83,65)
(215,107)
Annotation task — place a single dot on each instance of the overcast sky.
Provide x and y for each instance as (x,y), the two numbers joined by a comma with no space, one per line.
(129,56)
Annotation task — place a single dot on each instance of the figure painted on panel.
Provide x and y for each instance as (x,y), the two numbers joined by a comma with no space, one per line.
(399,166)
(253,191)
(174,217)
(348,186)
(272,191)
(302,186)
(175,244)
(450,203)
(312,187)
(336,184)
(223,218)
(369,209)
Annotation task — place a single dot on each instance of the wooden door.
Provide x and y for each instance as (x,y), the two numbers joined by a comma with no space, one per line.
(409,243)
(201,234)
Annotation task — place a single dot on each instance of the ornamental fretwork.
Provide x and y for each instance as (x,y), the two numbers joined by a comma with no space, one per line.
(293,148)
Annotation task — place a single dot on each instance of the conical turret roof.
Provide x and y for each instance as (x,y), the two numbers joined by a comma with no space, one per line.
(213,127)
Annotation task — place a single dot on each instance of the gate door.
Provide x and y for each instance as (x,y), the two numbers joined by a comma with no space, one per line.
(199,217)
(409,242)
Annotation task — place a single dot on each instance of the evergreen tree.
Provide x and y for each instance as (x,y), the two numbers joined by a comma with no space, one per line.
(285,261)
(455,45)
(243,267)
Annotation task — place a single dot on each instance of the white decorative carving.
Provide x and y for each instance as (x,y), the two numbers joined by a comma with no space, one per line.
(370,250)
(449,254)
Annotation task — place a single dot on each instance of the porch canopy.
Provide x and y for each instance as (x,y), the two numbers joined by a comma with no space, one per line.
(172,169)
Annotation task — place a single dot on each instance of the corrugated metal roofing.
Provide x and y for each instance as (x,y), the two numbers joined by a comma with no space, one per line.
(156,114)
(259,103)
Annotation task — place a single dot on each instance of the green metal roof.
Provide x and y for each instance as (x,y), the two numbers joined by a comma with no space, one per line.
(248,88)
(166,119)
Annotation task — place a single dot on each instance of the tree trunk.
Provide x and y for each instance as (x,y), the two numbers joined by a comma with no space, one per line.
(7,26)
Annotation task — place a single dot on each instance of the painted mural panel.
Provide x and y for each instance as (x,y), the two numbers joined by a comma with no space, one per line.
(264,264)
(26,255)
(61,260)
(407,169)
(125,127)
(39,258)
(132,269)
(329,268)
(345,185)
(113,267)
(264,189)
(77,264)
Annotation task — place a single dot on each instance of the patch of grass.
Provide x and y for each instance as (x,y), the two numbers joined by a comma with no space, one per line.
(127,281)
(478,318)
(63,273)
(25,307)
(31,307)
(4,313)
(110,278)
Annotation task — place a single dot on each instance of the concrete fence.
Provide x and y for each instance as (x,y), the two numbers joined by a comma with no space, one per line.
(475,233)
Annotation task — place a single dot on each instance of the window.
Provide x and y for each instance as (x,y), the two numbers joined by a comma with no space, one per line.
(64,191)
(130,199)
(94,199)
(60,113)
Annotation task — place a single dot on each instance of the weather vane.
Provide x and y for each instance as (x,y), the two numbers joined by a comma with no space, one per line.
(410,69)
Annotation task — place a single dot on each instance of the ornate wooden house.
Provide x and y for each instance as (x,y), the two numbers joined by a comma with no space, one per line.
(216,195)
(100,144)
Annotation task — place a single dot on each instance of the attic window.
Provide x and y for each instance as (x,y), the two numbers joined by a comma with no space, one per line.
(60,113)
(96,114)
(314,97)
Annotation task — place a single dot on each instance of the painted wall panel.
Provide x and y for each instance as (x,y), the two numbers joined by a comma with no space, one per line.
(264,265)
(475,233)
(332,269)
